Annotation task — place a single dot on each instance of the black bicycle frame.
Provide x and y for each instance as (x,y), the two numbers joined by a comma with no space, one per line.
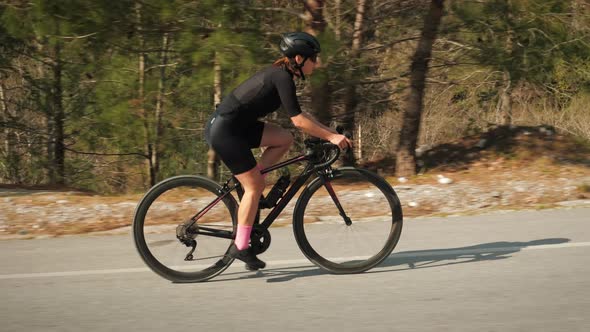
(274,213)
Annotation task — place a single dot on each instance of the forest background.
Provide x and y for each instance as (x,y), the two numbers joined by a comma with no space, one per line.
(112,96)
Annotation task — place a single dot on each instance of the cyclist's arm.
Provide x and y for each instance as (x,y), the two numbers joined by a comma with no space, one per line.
(309,125)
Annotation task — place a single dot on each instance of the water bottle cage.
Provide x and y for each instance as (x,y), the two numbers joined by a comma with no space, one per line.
(275,194)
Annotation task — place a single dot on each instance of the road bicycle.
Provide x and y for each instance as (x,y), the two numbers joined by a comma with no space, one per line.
(346,220)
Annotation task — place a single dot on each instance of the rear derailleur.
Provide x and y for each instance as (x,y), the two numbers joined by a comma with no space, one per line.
(186,235)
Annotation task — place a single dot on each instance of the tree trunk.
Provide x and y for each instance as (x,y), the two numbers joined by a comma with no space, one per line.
(4,117)
(212,158)
(314,13)
(320,87)
(141,95)
(58,119)
(338,27)
(8,144)
(359,142)
(504,107)
(159,128)
(358,26)
(406,151)
(346,119)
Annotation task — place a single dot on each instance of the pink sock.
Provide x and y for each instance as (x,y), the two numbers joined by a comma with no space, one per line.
(242,240)
(260,168)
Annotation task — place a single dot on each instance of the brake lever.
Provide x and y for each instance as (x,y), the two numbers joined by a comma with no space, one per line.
(340,130)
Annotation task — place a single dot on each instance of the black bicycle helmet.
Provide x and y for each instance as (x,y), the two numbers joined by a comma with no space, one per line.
(299,43)
(302,43)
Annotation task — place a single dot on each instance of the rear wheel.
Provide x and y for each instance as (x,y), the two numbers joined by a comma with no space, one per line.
(356,237)
(163,216)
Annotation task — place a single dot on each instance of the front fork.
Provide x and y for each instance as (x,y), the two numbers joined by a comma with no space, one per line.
(326,178)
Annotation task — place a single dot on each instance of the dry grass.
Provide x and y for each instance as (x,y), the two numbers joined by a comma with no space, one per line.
(584,188)
(573,119)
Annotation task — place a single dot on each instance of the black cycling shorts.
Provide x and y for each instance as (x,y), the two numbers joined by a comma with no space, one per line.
(232,140)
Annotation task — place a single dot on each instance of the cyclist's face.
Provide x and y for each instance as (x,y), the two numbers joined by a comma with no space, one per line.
(311,64)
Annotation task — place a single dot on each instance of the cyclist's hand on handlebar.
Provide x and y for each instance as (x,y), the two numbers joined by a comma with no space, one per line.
(341,141)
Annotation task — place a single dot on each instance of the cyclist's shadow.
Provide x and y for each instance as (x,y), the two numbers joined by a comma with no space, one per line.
(419,259)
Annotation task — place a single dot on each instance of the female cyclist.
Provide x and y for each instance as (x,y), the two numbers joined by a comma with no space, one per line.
(234,129)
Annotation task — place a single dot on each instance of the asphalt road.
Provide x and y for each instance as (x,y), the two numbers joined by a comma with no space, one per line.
(514,271)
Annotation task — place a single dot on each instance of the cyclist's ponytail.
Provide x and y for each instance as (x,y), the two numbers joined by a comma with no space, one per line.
(281,62)
(286,63)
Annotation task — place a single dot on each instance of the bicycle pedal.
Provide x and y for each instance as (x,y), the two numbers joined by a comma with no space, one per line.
(250,268)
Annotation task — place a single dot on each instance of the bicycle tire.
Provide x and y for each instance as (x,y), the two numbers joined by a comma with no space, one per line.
(304,227)
(172,191)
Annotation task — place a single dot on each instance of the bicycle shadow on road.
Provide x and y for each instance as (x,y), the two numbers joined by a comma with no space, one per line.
(418,259)
(482,252)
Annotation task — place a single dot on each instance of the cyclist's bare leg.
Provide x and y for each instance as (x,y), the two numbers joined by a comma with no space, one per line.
(276,141)
(253,185)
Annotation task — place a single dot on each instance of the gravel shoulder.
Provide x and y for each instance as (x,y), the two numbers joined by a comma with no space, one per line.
(42,213)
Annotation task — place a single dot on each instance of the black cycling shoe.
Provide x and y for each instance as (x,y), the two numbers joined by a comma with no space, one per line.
(246,256)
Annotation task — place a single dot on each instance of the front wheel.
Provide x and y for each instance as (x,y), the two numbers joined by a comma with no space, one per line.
(348,222)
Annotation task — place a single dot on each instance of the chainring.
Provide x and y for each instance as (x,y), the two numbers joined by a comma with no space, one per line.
(259,239)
